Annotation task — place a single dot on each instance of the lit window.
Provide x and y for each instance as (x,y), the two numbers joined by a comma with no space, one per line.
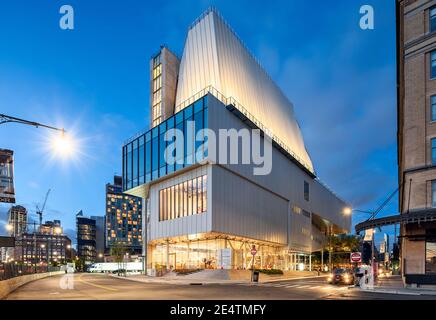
(184,199)
(430,257)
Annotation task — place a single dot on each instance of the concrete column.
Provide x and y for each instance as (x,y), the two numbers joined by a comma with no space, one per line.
(310,262)
(244,257)
(144,235)
(322,259)
(168,255)
(187,254)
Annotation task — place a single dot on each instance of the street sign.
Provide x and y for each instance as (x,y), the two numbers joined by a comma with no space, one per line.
(356,257)
(253,251)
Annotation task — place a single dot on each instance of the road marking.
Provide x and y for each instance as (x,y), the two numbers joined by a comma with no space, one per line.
(293,286)
(95,285)
(315,287)
(302,287)
(54,293)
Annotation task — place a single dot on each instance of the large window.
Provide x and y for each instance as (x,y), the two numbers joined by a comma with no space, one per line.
(433,108)
(430,257)
(144,159)
(306,191)
(433,64)
(184,199)
(433,151)
(157,92)
(433,194)
(432,19)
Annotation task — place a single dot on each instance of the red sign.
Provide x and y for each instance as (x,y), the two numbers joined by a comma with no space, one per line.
(356,257)
(253,251)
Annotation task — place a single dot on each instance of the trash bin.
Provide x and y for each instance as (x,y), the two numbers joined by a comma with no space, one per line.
(256,276)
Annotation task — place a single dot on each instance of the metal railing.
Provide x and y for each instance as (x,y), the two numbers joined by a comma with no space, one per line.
(11,270)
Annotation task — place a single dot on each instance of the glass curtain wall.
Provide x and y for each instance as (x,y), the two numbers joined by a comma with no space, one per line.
(144,158)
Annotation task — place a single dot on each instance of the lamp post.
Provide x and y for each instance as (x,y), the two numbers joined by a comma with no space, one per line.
(9,119)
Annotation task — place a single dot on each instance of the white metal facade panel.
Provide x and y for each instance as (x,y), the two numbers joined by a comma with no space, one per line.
(286,178)
(214,56)
(244,209)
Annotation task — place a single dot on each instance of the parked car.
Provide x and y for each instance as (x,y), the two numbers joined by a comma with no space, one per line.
(341,276)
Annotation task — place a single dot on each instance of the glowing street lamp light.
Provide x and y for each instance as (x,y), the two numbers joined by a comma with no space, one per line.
(58,230)
(63,145)
(348,211)
(9,227)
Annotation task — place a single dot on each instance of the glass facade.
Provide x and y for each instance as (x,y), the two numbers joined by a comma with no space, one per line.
(216,254)
(144,158)
(86,239)
(184,199)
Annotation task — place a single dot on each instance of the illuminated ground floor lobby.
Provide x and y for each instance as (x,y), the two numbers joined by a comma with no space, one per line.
(217,251)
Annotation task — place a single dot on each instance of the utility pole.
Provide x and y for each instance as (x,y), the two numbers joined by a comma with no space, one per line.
(330,248)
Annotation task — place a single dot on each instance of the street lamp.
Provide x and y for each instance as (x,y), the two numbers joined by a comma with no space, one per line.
(9,119)
(62,144)
(347,211)
(9,227)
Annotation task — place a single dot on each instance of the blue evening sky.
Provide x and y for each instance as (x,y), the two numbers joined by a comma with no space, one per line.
(94,82)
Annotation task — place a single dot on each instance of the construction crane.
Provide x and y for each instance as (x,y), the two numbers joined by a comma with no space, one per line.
(39,211)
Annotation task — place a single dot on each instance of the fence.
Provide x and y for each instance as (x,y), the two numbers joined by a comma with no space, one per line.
(12,270)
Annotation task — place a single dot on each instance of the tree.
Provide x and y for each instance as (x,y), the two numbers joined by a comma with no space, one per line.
(118,251)
(341,246)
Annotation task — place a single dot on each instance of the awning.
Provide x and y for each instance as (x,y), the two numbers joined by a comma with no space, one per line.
(416,216)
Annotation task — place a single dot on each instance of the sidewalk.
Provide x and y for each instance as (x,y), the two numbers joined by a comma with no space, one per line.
(394,285)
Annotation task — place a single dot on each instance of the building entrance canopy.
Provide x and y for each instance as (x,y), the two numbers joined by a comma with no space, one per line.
(416,216)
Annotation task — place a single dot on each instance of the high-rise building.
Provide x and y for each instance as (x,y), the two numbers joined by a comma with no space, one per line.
(36,248)
(86,238)
(123,217)
(17,219)
(416,44)
(202,212)
(100,231)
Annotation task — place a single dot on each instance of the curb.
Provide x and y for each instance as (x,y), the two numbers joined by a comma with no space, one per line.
(291,279)
(399,292)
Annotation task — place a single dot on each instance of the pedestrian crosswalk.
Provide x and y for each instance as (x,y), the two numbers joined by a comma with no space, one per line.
(302,286)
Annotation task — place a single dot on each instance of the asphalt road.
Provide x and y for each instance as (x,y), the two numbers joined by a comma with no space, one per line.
(102,287)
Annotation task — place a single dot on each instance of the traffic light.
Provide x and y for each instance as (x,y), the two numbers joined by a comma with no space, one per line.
(366,252)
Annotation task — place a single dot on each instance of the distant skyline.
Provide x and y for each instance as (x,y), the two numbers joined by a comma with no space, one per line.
(94,81)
